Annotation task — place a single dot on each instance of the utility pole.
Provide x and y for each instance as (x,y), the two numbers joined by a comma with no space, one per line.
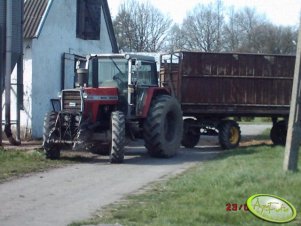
(294,124)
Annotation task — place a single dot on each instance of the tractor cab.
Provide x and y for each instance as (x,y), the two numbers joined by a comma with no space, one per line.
(130,74)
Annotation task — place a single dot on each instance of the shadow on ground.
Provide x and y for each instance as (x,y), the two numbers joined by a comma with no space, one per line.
(207,149)
(135,153)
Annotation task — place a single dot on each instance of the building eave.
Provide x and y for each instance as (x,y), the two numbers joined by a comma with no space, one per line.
(43,19)
(109,23)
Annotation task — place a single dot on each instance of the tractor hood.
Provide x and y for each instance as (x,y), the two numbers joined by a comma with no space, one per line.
(107,95)
(96,97)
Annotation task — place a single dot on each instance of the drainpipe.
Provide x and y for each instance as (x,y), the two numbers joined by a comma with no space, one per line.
(19,101)
(19,95)
(8,69)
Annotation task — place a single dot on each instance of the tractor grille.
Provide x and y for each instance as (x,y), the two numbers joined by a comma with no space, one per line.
(71,100)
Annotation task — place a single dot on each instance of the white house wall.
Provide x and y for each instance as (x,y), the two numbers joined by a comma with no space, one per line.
(58,35)
(26,114)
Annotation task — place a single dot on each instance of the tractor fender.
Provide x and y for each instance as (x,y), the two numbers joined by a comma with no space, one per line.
(151,93)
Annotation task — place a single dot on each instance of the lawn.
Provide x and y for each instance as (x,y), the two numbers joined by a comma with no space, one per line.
(19,162)
(201,195)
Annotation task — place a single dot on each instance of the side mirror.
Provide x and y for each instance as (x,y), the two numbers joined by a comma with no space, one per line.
(136,64)
(77,64)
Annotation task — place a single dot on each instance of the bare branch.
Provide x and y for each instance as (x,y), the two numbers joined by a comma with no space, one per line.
(141,27)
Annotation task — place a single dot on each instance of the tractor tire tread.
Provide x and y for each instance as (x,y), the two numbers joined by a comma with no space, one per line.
(155,142)
(52,151)
(118,137)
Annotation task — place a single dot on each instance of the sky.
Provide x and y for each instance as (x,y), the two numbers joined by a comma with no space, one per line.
(279,12)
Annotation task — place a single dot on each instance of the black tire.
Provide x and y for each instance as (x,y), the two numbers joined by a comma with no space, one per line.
(118,137)
(163,128)
(278,133)
(52,150)
(229,134)
(191,135)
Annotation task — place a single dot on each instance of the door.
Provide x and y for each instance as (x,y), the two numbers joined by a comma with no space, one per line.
(69,70)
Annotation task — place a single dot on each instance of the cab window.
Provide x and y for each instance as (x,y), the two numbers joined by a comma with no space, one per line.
(108,72)
(146,74)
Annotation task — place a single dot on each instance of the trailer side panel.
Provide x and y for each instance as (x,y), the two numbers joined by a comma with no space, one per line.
(227,84)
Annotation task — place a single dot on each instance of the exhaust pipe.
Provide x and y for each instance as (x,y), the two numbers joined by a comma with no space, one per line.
(82,76)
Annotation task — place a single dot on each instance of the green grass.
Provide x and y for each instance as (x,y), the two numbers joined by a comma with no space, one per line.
(199,196)
(16,163)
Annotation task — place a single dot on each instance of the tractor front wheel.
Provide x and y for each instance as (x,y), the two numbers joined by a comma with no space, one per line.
(118,137)
(50,134)
(163,128)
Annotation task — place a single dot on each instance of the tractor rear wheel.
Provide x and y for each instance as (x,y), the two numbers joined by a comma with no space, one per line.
(118,137)
(52,150)
(163,128)
(191,135)
(229,134)
(278,133)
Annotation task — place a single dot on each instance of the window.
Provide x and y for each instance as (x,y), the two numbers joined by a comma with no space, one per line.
(108,72)
(112,69)
(88,19)
(146,74)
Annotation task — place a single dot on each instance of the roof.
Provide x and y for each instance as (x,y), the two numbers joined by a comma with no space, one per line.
(35,13)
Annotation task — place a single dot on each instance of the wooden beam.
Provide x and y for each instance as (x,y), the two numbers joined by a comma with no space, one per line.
(294,124)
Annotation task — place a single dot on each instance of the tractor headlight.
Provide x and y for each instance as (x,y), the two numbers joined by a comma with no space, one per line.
(67,118)
(59,94)
(85,95)
(77,118)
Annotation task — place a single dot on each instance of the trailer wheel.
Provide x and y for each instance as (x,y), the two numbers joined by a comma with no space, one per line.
(229,134)
(191,135)
(278,133)
(118,137)
(163,128)
(52,150)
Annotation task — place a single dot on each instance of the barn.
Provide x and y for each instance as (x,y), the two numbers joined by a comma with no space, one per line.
(57,33)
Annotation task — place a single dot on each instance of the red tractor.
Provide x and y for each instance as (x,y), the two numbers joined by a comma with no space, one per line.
(116,96)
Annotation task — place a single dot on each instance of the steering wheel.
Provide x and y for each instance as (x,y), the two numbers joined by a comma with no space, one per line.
(117,78)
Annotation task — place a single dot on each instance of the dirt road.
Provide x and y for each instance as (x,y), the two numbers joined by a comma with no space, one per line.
(61,196)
